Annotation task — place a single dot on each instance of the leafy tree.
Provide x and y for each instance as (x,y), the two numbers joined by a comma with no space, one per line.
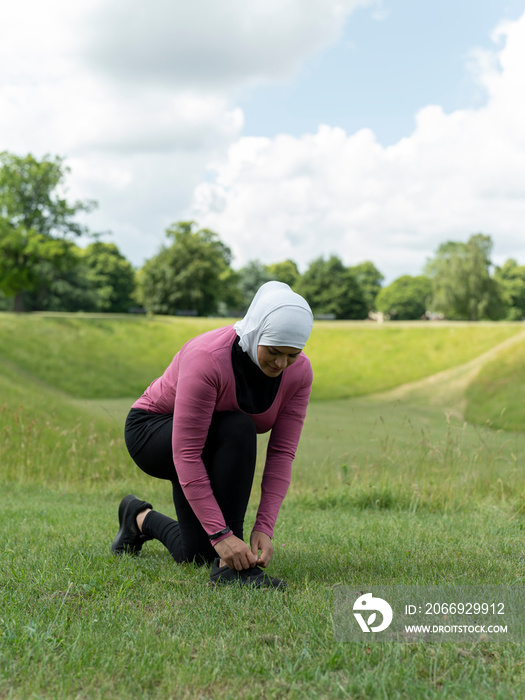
(511,278)
(111,276)
(35,222)
(461,283)
(64,287)
(406,298)
(192,274)
(6,303)
(252,276)
(285,271)
(331,288)
(369,279)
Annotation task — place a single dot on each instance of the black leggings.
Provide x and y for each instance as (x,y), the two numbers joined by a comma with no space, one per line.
(229,456)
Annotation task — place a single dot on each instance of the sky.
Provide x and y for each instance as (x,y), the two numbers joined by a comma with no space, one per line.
(368,129)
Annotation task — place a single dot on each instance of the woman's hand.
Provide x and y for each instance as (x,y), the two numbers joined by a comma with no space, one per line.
(235,553)
(261,541)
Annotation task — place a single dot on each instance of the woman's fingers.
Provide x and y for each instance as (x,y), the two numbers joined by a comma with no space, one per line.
(235,553)
(261,541)
(266,555)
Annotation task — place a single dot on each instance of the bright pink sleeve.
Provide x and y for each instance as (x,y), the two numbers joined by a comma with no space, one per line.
(196,397)
(280,454)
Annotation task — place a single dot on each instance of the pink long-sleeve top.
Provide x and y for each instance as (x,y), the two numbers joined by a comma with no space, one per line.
(200,381)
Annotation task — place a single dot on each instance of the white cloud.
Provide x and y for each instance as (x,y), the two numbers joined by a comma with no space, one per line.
(137,95)
(207,44)
(331,192)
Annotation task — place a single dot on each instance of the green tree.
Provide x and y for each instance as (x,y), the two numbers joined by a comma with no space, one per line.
(111,276)
(511,278)
(252,276)
(406,298)
(64,287)
(96,278)
(285,271)
(192,274)
(35,223)
(331,288)
(6,303)
(369,279)
(462,287)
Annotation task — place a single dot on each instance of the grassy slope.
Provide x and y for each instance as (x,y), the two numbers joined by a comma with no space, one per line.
(47,363)
(497,396)
(53,435)
(96,357)
(92,356)
(352,359)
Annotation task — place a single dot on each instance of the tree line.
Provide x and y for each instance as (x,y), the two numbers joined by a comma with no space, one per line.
(43,269)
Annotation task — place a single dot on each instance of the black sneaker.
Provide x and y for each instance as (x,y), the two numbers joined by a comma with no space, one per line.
(256,577)
(129,539)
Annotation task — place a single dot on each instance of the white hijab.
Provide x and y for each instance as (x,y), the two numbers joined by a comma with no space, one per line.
(277,316)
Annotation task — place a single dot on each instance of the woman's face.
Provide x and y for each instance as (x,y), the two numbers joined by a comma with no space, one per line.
(273,360)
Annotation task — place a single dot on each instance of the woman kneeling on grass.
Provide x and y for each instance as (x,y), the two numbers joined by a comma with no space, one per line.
(196,426)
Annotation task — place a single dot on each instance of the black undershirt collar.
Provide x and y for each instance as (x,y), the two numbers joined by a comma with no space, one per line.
(254,390)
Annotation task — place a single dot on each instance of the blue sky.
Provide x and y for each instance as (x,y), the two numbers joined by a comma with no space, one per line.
(390,60)
(293,128)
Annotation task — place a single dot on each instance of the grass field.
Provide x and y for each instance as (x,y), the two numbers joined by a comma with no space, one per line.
(390,485)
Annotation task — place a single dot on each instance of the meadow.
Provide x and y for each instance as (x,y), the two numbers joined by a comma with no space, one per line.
(410,470)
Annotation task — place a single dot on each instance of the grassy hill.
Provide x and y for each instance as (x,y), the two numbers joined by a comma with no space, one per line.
(496,397)
(111,357)
(67,382)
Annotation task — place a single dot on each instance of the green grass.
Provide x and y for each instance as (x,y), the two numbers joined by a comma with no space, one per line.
(387,488)
(497,398)
(91,356)
(356,359)
(77,622)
